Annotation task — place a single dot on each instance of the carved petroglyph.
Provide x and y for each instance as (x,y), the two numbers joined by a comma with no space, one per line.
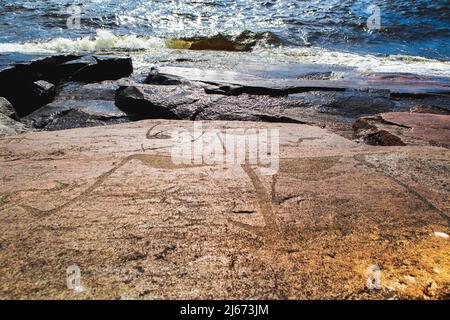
(271,229)
(361,159)
(151,161)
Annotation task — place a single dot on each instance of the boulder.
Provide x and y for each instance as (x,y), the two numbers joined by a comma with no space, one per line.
(23,84)
(135,101)
(66,70)
(93,104)
(155,77)
(9,126)
(104,68)
(28,96)
(7,109)
(43,92)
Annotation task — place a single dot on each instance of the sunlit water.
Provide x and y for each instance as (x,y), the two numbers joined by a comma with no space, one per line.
(414,36)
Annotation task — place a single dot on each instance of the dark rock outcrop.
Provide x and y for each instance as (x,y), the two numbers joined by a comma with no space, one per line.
(42,92)
(104,68)
(155,77)
(30,85)
(92,102)
(134,101)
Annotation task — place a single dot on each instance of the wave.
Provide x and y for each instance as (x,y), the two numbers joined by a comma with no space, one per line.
(367,62)
(264,48)
(103,41)
(107,41)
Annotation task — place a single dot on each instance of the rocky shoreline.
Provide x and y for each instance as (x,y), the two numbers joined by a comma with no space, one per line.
(63,92)
(363,182)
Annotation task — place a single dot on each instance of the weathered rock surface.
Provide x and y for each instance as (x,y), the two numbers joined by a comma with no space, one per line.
(112,201)
(7,109)
(430,109)
(10,126)
(156,77)
(400,128)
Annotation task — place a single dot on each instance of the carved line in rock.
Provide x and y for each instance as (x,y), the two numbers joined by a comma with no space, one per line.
(152,161)
(360,158)
(271,230)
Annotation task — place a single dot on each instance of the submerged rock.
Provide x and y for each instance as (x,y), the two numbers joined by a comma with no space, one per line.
(245,41)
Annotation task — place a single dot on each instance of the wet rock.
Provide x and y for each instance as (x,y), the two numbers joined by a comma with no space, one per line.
(102,111)
(316,76)
(22,84)
(7,109)
(104,68)
(43,92)
(350,105)
(66,70)
(95,100)
(137,101)
(156,77)
(242,42)
(77,118)
(192,103)
(251,84)
(399,128)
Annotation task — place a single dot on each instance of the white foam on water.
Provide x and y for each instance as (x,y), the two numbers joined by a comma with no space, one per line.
(367,62)
(106,41)
(103,41)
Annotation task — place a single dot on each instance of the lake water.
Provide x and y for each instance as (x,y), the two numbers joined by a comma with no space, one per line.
(395,35)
